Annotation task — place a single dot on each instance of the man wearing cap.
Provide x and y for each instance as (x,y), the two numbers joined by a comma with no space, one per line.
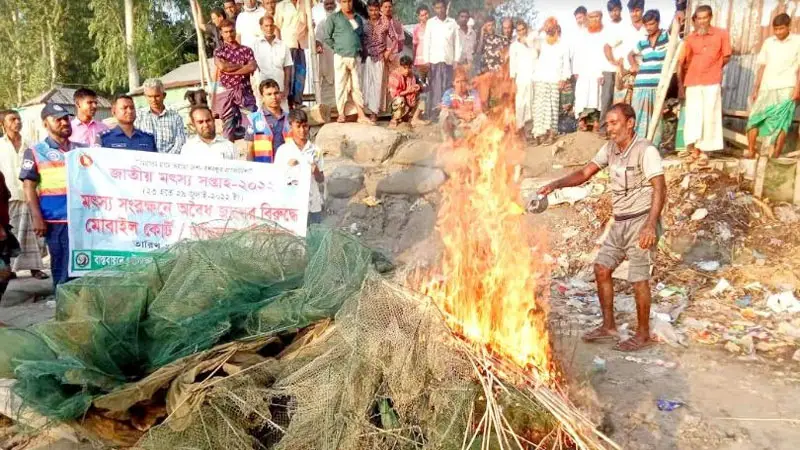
(44,179)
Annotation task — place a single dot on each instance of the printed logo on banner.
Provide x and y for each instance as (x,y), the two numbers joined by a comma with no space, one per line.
(83,259)
(86,160)
(54,155)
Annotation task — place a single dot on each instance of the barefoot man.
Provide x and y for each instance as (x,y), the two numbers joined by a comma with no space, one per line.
(638,192)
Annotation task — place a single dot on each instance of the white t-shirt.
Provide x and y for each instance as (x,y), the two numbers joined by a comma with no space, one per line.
(309,155)
(781,58)
(219,149)
(271,59)
(247,26)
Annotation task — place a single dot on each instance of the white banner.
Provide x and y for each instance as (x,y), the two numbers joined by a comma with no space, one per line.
(123,204)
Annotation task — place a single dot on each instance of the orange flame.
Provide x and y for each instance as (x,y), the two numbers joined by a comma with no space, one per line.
(491,269)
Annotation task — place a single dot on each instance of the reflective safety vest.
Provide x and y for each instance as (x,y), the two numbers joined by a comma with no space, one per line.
(263,148)
(52,188)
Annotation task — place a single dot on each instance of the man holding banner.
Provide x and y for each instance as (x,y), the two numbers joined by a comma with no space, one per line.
(44,177)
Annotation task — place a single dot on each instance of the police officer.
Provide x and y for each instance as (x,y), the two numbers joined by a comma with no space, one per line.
(125,135)
(44,178)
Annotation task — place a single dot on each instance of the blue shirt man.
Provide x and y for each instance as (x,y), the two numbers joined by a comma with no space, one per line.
(138,140)
(125,135)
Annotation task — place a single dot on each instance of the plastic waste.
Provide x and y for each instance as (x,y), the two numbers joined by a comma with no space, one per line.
(783,302)
(745,301)
(699,214)
(708,266)
(668,405)
(722,286)
(599,364)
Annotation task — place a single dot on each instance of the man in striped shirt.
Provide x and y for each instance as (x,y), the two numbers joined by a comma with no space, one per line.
(653,51)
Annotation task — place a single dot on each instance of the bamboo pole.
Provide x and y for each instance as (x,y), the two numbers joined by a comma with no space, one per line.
(201,47)
(670,63)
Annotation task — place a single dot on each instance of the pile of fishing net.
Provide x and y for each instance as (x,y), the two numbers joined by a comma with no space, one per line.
(259,339)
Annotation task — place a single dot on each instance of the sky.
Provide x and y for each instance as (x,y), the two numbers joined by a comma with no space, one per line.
(563,9)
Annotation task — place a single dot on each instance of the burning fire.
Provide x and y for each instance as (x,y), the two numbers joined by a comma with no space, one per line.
(492,263)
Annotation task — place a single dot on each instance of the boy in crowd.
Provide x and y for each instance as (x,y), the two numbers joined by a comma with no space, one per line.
(300,152)
(404,89)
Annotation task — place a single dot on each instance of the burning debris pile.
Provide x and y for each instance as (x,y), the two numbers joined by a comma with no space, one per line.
(258,339)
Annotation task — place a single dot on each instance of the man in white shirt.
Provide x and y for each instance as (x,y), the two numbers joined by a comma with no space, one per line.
(468,40)
(300,154)
(441,45)
(11,148)
(272,56)
(632,34)
(777,87)
(522,62)
(292,20)
(247,27)
(614,36)
(207,145)
(320,14)
(589,63)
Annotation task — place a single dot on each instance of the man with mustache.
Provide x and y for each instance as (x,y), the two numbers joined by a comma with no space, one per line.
(44,180)
(706,52)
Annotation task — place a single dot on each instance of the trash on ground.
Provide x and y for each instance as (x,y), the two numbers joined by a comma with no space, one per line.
(668,405)
(783,302)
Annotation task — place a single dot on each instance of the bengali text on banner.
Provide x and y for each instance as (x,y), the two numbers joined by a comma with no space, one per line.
(123,205)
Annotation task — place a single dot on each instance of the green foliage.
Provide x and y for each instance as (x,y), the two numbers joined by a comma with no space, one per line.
(82,43)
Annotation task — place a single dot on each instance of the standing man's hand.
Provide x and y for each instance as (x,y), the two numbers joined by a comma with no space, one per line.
(682,92)
(547,189)
(647,236)
(3,234)
(600,81)
(796,95)
(754,95)
(39,226)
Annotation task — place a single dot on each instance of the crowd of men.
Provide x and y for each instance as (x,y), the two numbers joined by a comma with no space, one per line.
(33,178)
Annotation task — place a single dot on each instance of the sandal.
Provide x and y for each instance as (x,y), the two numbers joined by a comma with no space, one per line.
(701,160)
(341,119)
(600,335)
(634,344)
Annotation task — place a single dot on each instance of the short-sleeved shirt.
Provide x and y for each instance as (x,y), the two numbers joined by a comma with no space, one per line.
(271,58)
(291,19)
(375,37)
(653,57)
(630,171)
(247,26)
(167,128)
(310,154)
(236,54)
(266,126)
(451,100)
(87,133)
(53,205)
(707,54)
(139,140)
(781,60)
(218,149)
